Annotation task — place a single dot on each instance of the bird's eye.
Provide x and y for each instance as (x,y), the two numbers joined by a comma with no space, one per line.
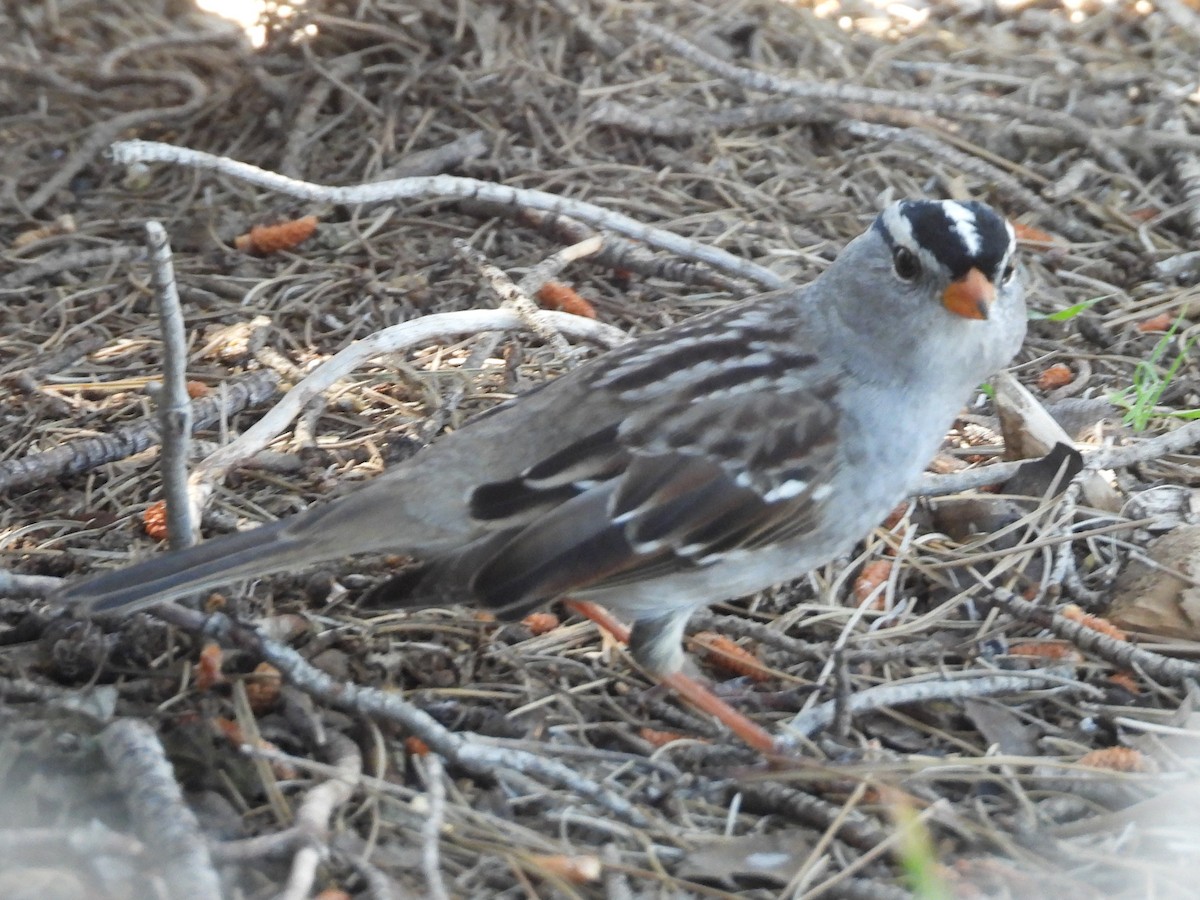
(906,264)
(1009,272)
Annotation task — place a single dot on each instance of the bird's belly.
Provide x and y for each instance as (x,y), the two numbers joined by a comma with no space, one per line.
(738,575)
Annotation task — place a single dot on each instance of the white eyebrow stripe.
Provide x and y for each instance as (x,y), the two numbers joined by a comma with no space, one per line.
(898,226)
(964,226)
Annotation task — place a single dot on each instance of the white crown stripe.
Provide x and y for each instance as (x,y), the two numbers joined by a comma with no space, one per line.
(965,226)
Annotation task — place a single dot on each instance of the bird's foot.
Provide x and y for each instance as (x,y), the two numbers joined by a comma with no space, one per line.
(684,685)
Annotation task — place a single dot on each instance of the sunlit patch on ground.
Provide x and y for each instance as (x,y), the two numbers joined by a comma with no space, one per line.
(892,18)
(248,14)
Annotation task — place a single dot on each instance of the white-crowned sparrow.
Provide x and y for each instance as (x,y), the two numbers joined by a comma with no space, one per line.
(699,463)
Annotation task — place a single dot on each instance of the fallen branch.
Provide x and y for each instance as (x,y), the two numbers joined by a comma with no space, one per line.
(1119,653)
(18,587)
(431,831)
(1174,441)
(62,262)
(173,406)
(850,119)
(315,813)
(840,92)
(84,454)
(474,756)
(971,684)
(449,187)
(426,330)
(165,823)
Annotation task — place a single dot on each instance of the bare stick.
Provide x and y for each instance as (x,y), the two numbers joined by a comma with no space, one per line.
(963,104)
(437,160)
(84,454)
(102,133)
(775,797)
(174,406)
(673,122)
(449,187)
(550,267)
(425,330)
(164,821)
(465,751)
(431,831)
(971,684)
(513,296)
(606,43)
(316,812)
(83,259)
(1006,186)
(1156,447)
(19,587)
(618,252)
(1119,653)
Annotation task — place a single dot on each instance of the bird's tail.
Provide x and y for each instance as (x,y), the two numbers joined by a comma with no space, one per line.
(265,550)
(403,511)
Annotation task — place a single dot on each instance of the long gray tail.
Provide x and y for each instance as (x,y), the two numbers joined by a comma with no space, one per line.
(403,511)
(259,551)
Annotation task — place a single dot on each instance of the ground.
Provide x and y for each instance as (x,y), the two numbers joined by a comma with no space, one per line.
(562,771)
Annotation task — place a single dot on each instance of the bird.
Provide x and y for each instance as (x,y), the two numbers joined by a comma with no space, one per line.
(714,458)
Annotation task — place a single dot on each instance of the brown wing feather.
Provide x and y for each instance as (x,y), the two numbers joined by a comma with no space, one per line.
(684,493)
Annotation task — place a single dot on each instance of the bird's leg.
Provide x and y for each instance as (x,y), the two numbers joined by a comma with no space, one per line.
(656,644)
(645,643)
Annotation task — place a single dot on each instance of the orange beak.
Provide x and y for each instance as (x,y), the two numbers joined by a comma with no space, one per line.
(970,296)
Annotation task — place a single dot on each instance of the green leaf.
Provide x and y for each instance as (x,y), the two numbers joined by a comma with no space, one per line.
(1070,312)
(1140,400)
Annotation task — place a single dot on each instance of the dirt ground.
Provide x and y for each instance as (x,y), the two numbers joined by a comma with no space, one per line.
(1041,737)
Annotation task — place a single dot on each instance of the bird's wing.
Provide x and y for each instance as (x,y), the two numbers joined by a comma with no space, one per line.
(679,482)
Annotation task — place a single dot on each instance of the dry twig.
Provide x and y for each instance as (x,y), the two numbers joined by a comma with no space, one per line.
(83,454)
(174,406)
(421,332)
(164,821)
(448,187)
(973,684)
(475,757)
